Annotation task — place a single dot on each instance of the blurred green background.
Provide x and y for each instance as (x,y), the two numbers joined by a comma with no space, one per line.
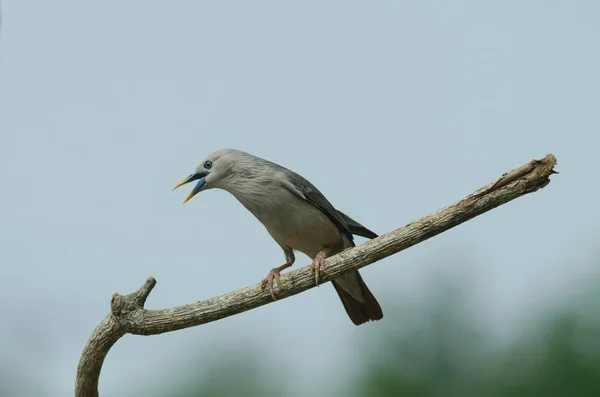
(435,345)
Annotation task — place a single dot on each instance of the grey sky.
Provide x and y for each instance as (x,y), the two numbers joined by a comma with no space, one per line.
(393,109)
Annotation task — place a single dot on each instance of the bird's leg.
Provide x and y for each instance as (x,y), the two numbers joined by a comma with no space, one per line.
(318,263)
(273,275)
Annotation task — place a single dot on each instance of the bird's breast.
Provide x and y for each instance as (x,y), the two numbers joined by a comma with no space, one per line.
(292,221)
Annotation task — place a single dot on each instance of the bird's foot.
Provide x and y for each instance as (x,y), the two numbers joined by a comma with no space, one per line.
(272,277)
(318,263)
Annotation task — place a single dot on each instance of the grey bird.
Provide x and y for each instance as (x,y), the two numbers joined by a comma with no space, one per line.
(296,215)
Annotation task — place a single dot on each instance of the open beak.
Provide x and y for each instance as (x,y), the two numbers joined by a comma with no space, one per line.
(200,177)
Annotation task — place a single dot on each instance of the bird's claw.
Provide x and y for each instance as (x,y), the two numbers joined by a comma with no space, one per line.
(318,264)
(268,281)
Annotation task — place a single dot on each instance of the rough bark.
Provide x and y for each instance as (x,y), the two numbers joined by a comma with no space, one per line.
(128,314)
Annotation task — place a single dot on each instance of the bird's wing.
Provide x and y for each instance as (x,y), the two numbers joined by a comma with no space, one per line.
(307,191)
(356,228)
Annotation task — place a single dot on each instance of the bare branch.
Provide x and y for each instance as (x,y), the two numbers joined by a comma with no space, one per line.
(129,316)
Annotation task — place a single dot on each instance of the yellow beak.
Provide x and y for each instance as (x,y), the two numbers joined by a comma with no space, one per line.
(183,182)
(201,182)
(192,194)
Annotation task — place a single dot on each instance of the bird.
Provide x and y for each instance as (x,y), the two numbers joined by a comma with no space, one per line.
(296,215)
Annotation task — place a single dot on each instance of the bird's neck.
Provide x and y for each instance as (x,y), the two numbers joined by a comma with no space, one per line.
(252,191)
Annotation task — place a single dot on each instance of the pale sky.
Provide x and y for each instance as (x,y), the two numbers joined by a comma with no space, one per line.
(393,109)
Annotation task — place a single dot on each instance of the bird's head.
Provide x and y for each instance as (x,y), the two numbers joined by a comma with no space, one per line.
(212,172)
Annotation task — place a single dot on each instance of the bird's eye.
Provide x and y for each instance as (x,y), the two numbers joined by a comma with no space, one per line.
(208,165)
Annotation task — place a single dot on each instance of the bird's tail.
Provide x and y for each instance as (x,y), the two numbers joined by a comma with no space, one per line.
(359,312)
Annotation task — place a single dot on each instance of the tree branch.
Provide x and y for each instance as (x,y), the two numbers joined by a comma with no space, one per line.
(129,316)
